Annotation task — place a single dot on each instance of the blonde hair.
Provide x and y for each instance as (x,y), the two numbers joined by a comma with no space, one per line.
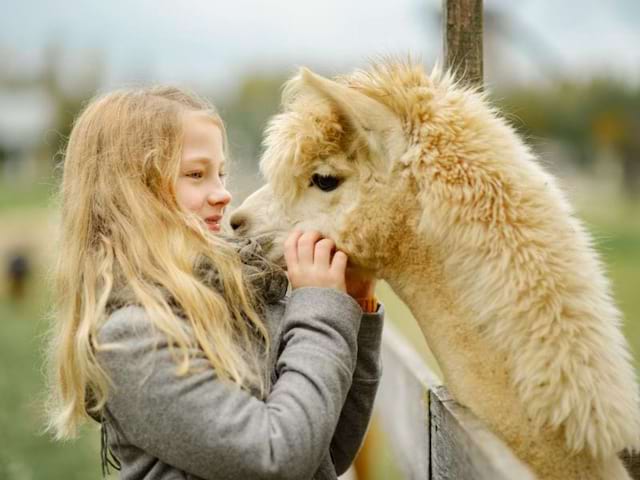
(122,226)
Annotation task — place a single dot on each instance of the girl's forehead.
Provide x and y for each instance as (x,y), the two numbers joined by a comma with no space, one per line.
(201,119)
(202,140)
(200,127)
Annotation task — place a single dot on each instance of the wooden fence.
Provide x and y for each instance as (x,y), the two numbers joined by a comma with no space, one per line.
(433,437)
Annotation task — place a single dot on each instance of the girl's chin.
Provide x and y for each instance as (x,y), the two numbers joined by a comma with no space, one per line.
(213,227)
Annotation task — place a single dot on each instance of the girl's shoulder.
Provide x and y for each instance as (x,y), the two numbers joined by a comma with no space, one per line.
(124,322)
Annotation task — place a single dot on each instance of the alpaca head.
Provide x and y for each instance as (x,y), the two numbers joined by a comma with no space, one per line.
(380,160)
(332,164)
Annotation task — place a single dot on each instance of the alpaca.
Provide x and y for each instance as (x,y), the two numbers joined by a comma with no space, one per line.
(422,183)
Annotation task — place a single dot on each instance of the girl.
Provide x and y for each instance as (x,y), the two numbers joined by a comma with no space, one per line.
(177,338)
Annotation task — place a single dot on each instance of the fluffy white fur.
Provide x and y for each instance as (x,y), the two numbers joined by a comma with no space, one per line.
(441,198)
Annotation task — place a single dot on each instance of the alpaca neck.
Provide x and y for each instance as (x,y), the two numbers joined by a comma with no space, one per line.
(476,373)
(469,364)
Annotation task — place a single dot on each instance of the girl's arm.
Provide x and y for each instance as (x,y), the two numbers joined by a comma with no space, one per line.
(356,412)
(213,429)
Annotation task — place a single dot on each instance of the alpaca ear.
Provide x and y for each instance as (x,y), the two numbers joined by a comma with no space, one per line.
(373,121)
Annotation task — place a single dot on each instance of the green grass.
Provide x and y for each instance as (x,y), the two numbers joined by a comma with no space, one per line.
(617,235)
(27,453)
(17,195)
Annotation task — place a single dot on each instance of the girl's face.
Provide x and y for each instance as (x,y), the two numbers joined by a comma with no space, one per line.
(200,187)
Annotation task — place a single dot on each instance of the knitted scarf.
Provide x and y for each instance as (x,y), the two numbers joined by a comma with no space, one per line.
(267,280)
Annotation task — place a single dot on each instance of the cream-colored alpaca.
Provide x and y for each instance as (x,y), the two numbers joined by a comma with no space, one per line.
(422,182)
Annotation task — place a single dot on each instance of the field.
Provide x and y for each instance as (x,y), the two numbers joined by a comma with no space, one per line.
(27,454)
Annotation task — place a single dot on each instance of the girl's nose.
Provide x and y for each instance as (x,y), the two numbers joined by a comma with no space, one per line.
(220,196)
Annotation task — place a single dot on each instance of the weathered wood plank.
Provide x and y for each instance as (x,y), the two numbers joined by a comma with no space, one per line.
(403,404)
(462,45)
(462,448)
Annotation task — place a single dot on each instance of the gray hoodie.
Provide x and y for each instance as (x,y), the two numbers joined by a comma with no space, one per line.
(325,368)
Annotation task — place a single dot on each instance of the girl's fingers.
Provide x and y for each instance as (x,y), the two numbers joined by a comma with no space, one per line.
(291,248)
(323,250)
(309,262)
(306,247)
(339,263)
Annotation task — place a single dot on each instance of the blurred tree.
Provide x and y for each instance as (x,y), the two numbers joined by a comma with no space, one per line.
(602,115)
(69,95)
(246,114)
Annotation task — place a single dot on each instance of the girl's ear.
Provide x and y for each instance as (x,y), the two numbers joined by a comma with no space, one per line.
(371,120)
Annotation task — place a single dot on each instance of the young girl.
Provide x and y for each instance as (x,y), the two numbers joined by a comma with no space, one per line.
(177,338)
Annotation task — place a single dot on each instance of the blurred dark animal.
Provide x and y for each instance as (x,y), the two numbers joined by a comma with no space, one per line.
(18,270)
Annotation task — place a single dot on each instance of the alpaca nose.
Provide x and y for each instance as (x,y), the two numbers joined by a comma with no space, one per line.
(238,222)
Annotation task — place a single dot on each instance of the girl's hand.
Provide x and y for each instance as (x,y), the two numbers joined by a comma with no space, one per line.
(310,262)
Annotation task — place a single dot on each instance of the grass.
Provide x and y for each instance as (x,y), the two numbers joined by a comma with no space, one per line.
(27,453)
(617,235)
(18,195)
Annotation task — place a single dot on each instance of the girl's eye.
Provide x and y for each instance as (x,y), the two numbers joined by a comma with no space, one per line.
(326,183)
(195,174)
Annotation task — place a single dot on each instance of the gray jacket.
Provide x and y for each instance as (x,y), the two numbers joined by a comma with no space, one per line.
(326,369)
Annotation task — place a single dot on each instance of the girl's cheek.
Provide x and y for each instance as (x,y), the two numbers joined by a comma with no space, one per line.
(189,201)
(196,202)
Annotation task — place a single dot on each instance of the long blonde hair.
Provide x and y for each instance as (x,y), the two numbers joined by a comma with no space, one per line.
(122,226)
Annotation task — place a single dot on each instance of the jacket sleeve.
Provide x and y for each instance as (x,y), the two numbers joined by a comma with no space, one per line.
(356,412)
(212,428)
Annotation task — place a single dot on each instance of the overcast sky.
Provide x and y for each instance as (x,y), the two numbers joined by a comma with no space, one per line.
(200,42)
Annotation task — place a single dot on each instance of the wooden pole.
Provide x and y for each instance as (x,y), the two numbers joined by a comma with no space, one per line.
(462,32)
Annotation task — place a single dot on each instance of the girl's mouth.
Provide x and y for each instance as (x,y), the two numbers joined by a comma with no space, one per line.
(213,223)
(213,226)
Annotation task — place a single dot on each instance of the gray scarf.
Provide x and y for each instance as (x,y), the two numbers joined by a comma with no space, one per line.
(267,280)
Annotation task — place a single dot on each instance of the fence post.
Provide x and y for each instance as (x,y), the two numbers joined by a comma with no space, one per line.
(462,39)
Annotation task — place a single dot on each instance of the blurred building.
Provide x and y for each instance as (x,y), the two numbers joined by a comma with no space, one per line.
(26,115)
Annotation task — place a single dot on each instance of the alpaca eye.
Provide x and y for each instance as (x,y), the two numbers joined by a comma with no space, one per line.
(326,183)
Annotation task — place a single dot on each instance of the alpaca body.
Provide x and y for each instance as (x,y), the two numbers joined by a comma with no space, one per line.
(432,191)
